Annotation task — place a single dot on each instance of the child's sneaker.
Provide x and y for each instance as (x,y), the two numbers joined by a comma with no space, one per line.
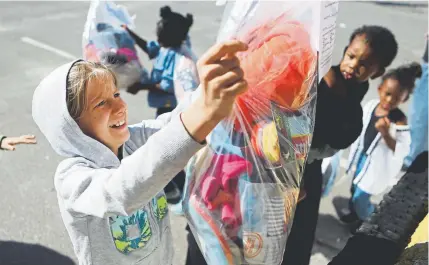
(349,218)
(342,207)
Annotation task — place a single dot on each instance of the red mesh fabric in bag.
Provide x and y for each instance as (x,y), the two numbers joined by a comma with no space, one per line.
(277,67)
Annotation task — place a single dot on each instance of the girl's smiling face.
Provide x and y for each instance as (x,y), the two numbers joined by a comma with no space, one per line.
(104,117)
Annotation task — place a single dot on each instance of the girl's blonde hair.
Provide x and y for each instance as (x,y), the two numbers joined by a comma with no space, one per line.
(79,76)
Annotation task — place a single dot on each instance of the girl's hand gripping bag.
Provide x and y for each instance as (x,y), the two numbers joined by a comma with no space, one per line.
(105,41)
(242,188)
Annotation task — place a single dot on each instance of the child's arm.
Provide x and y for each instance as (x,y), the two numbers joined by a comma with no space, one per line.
(136,87)
(120,191)
(156,158)
(391,143)
(139,41)
(9,143)
(342,131)
(140,132)
(383,126)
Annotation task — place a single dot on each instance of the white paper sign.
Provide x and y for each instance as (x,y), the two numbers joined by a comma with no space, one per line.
(328,26)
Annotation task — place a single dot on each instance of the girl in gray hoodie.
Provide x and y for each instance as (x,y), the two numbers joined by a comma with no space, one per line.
(109,186)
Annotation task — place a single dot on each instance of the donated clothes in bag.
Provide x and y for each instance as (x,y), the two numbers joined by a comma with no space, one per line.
(242,188)
(105,41)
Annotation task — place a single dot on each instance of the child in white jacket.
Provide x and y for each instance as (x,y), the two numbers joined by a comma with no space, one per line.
(109,186)
(376,156)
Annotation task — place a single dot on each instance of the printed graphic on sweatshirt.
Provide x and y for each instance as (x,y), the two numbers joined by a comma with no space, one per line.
(131,232)
(160,206)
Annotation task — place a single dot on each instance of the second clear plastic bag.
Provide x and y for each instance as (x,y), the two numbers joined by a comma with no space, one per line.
(105,41)
(242,188)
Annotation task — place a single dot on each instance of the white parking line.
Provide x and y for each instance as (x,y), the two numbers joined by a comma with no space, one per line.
(3,29)
(47,47)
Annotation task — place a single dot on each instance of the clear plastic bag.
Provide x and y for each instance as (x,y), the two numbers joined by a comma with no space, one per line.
(186,77)
(242,188)
(105,41)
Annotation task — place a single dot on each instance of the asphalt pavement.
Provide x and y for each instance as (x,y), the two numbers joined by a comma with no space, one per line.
(36,37)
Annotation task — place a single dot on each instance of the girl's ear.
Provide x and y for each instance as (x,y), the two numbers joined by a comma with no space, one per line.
(379,73)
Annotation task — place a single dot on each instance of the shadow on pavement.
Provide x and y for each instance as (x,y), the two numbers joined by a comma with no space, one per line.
(16,253)
(331,236)
(340,204)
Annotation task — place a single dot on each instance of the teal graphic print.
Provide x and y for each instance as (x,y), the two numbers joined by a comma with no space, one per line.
(160,206)
(131,232)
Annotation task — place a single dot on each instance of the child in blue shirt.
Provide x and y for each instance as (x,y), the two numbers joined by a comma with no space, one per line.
(172,44)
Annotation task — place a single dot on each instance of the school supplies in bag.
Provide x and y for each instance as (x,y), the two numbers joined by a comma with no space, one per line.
(242,188)
(105,41)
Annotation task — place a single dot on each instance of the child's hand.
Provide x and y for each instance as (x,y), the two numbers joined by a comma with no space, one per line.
(383,125)
(135,88)
(9,143)
(221,81)
(221,78)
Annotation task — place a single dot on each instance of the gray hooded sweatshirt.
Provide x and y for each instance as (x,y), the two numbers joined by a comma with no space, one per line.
(115,212)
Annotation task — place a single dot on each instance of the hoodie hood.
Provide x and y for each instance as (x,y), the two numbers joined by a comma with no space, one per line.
(51,115)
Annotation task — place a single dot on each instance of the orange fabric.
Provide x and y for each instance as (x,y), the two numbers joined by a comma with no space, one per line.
(278,67)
